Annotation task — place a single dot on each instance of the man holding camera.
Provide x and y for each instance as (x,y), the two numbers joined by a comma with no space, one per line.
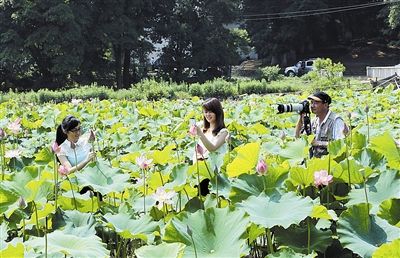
(327,126)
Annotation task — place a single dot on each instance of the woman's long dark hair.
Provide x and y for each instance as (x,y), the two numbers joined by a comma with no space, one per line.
(68,123)
(214,105)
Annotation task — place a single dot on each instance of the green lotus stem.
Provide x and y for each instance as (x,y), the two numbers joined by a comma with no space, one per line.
(145,186)
(23,230)
(118,245)
(367,127)
(91,197)
(162,181)
(194,246)
(55,183)
(216,185)
(37,219)
(198,172)
(308,235)
(73,195)
(329,172)
(2,159)
(208,170)
(177,150)
(365,188)
(45,238)
(269,241)
(98,200)
(348,161)
(186,193)
(115,203)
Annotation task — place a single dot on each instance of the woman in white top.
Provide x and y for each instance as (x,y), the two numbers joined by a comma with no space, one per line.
(214,134)
(75,151)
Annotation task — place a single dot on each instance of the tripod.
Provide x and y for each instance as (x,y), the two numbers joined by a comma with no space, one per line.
(306,124)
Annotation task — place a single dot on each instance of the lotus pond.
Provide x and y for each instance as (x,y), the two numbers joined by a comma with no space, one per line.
(131,210)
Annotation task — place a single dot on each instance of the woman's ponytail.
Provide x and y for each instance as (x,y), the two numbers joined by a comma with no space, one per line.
(60,135)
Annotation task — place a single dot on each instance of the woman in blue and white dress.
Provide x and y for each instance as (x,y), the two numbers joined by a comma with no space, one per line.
(75,150)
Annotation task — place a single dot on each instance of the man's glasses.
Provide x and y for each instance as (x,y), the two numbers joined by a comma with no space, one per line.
(76,129)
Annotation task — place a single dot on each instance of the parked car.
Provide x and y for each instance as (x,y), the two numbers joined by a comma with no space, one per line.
(302,67)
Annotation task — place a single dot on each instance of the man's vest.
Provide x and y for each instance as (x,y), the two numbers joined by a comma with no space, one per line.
(325,134)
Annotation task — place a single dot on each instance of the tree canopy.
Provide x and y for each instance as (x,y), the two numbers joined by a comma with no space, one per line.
(59,43)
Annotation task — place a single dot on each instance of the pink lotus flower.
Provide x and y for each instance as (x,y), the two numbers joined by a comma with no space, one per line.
(163,197)
(142,162)
(2,134)
(199,149)
(63,170)
(15,127)
(13,154)
(262,167)
(55,148)
(322,178)
(193,130)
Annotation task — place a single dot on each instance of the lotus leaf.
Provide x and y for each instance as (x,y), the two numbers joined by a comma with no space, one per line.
(215,232)
(79,224)
(289,253)
(356,177)
(296,237)
(245,161)
(178,177)
(246,186)
(321,212)
(270,211)
(165,250)
(380,188)
(14,251)
(363,233)
(127,227)
(83,202)
(103,178)
(389,210)
(385,144)
(391,249)
(162,157)
(295,151)
(68,244)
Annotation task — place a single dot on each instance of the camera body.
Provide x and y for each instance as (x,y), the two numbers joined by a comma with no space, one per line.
(302,107)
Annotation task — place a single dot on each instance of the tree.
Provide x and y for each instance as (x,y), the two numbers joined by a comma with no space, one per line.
(198,40)
(44,37)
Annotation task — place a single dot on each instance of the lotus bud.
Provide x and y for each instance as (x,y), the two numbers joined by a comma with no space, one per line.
(366,109)
(21,203)
(199,149)
(63,170)
(193,130)
(92,136)
(282,135)
(261,167)
(2,134)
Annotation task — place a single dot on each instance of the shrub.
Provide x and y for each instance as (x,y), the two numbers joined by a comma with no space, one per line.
(271,73)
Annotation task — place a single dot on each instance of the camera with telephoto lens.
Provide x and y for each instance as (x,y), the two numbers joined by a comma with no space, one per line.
(302,107)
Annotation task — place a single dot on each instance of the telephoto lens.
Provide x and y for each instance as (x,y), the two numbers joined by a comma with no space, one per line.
(283,108)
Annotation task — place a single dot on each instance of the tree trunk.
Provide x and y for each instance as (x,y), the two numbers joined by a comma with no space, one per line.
(118,65)
(126,73)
